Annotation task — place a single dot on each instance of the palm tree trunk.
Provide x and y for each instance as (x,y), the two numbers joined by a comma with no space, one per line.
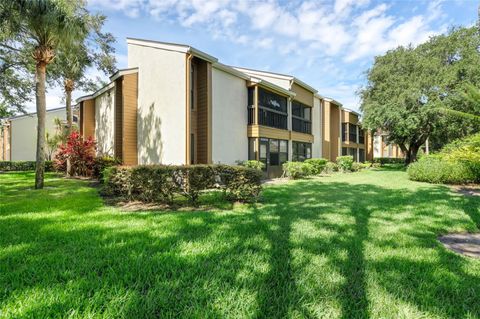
(41,102)
(68,104)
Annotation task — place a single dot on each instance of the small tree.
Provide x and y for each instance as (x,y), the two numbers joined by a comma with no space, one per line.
(80,152)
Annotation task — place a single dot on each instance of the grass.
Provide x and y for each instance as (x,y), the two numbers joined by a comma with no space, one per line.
(360,245)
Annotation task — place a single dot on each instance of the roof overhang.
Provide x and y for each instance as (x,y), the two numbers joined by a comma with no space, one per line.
(304,85)
(182,48)
(97,93)
(272,86)
(230,70)
(123,72)
(333,101)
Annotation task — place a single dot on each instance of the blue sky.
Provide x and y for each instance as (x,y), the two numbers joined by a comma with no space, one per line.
(328,44)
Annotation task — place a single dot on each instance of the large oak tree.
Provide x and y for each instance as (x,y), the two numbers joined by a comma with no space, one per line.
(417,93)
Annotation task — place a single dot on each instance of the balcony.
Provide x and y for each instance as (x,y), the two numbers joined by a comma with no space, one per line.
(268,117)
(302,126)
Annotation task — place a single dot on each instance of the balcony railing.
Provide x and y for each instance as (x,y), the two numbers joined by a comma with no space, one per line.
(302,126)
(268,117)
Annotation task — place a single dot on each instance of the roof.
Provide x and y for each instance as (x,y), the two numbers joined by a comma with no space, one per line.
(33,113)
(110,85)
(183,48)
(272,86)
(332,101)
(278,76)
(352,111)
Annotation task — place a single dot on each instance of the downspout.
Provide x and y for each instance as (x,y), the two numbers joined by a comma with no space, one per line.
(188,63)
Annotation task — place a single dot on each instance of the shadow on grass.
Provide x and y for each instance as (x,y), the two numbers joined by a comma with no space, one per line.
(308,248)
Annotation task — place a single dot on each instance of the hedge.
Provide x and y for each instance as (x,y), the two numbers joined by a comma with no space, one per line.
(10,166)
(388,160)
(434,169)
(345,163)
(161,183)
(457,163)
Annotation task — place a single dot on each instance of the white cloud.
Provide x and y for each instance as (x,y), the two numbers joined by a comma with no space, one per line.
(314,33)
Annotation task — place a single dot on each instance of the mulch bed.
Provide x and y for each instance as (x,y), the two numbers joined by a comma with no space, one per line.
(465,244)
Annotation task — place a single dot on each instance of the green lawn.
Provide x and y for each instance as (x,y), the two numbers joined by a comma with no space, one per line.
(350,245)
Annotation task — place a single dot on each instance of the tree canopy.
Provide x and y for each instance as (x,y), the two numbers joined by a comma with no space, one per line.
(411,91)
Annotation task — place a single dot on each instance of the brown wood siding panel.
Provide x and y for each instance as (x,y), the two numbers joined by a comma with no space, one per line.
(80,120)
(269,132)
(303,95)
(326,130)
(202,122)
(129,119)
(301,137)
(119,119)
(334,131)
(89,118)
(369,145)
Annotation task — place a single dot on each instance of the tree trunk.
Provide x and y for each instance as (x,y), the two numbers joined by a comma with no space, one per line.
(69,85)
(41,110)
(68,104)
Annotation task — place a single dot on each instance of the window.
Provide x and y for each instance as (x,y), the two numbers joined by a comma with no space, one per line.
(352,133)
(344,132)
(301,118)
(272,109)
(251,96)
(353,152)
(283,151)
(263,150)
(361,155)
(361,136)
(301,151)
(276,151)
(252,152)
(344,151)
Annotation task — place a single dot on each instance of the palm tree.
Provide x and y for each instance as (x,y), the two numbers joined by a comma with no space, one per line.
(40,27)
(470,96)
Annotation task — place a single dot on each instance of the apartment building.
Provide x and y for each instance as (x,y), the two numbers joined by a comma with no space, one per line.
(381,148)
(175,104)
(18,134)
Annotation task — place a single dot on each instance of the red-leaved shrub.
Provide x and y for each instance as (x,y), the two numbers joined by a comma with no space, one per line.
(81,153)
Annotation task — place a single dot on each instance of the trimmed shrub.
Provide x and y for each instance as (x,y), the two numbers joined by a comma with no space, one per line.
(356,167)
(434,169)
(161,183)
(345,163)
(240,184)
(457,163)
(296,170)
(21,166)
(388,160)
(330,168)
(101,163)
(318,164)
(193,179)
(253,164)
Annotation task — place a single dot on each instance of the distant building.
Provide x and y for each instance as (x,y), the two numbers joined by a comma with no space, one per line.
(18,134)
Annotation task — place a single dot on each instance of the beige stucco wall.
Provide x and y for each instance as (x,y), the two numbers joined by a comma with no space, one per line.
(317,128)
(104,122)
(161,121)
(229,118)
(24,134)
